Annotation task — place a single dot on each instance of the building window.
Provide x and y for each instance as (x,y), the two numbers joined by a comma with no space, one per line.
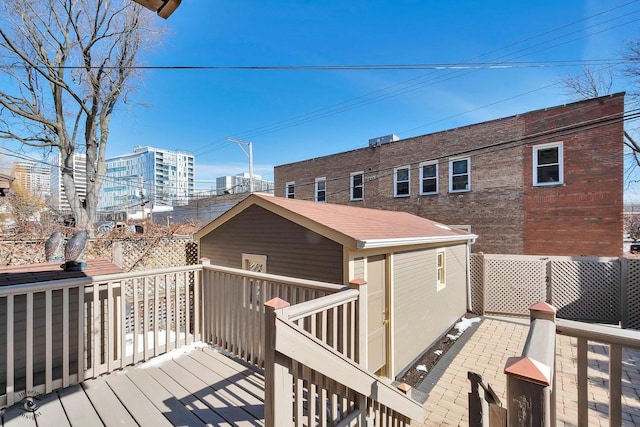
(547,164)
(401,181)
(459,175)
(429,178)
(357,186)
(255,263)
(291,190)
(441,270)
(321,189)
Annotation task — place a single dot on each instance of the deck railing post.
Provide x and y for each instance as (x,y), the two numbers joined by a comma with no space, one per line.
(531,377)
(361,327)
(278,393)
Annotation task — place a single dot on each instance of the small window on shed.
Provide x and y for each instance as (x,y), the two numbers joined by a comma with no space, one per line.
(255,263)
(441,270)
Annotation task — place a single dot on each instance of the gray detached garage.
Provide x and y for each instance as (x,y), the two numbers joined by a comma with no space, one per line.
(417,270)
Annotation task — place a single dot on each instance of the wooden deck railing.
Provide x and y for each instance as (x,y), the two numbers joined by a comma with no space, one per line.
(58,333)
(234,318)
(616,339)
(533,374)
(328,388)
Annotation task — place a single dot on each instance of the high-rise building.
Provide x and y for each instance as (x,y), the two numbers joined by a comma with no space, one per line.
(33,178)
(58,196)
(240,184)
(151,174)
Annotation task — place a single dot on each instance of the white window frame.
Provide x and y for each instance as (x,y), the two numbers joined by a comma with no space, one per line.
(441,279)
(319,191)
(422,178)
(352,186)
(396,182)
(290,194)
(451,175)
(536,148)
(254,259)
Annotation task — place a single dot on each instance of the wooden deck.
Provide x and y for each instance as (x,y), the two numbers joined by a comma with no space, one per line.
(183,388)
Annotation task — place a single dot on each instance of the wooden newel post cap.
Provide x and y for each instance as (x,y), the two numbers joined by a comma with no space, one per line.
(205,261)
(276,303)
(542,310)
(529,370)
(357,282)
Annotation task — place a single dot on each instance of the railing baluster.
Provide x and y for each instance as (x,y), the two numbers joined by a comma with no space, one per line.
(109,345)
(10,353)
(29,343)
(48,314)
(615,385)
(583,413)
(65,337)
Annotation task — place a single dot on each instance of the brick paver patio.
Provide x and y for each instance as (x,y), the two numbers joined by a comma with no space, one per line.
(484,349)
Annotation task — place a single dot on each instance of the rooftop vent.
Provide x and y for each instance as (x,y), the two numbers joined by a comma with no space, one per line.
(376,142)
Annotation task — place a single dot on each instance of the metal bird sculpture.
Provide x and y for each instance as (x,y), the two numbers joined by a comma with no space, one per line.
(74,252)
(53,247)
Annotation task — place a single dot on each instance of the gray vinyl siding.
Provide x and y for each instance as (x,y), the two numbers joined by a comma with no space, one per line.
(421,313)
(291,249)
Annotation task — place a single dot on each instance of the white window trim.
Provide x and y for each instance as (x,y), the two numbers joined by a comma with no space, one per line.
(319,180)
(286,189)
(422,177)
(256,259)
(535,150)
(395,181)
(351,186)
(451,161)
(440,285)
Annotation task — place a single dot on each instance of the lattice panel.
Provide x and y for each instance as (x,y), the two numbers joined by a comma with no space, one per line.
(477,283)
(514,285)
(586,290)
(633,294)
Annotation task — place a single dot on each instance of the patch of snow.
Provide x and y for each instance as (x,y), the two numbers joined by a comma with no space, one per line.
(421,368)
(158,360)
(438,352)
(462,326)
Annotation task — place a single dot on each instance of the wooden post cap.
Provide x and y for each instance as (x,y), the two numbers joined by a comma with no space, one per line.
(357,282)
(543,307)
(276,303)
(205,261)
(404,387)
(529,370)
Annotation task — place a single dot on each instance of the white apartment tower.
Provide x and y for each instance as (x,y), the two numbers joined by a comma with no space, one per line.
(58,197)
(35,179)
(161,176)
(240,184)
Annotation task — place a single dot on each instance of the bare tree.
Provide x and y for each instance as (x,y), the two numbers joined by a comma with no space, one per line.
(591,83)
(67,63)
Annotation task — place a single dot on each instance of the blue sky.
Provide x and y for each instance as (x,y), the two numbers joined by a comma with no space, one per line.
(291,115)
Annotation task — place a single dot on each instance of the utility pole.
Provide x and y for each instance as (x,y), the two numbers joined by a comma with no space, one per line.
(142,203)
(249,155)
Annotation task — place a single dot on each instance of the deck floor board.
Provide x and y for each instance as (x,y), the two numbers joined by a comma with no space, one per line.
(78,407)
(196,387)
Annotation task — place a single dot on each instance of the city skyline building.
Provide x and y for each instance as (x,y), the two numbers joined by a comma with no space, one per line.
(148,174)
(240,184)
(33,178)
(58,196)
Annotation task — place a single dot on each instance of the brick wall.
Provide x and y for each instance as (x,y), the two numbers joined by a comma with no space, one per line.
(500,208)
(583,216)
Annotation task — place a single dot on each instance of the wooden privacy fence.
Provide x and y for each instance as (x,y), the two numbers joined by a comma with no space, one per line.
(605,290)
(55,334)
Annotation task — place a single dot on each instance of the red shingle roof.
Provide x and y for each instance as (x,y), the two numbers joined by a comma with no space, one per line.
(366,227)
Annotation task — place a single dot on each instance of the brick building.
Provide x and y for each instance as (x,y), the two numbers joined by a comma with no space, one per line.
(546,182)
